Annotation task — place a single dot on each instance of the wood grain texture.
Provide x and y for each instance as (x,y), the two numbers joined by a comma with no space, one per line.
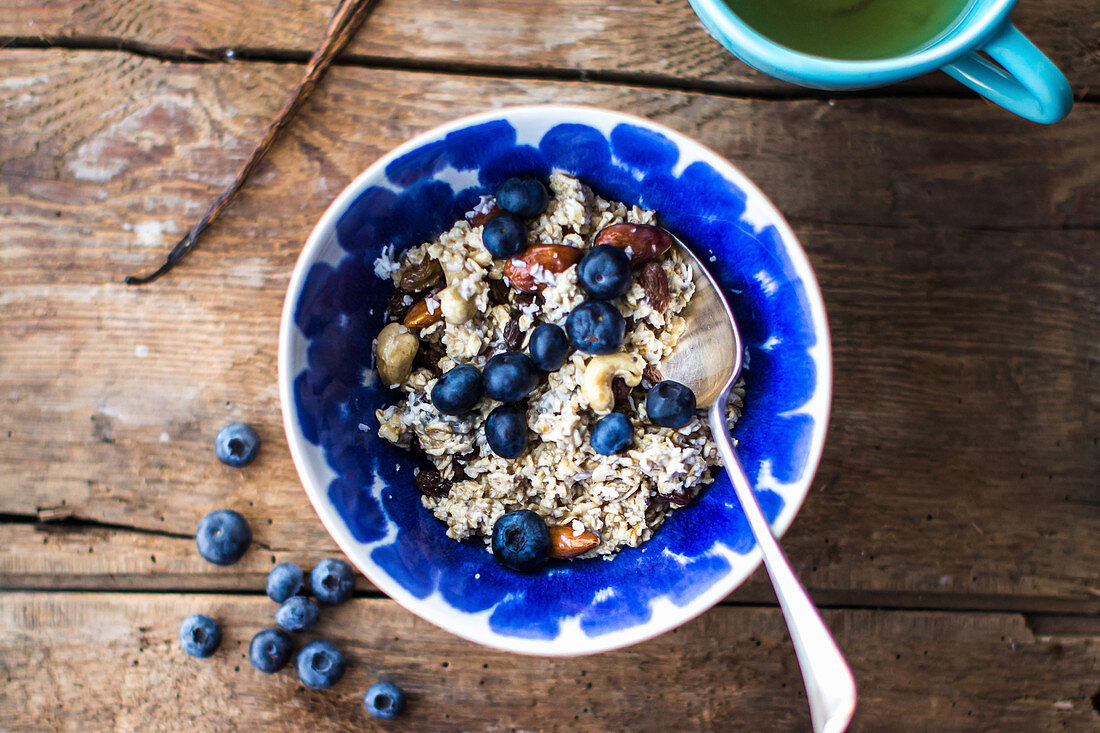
(731,669)
(653,38)
(962,456)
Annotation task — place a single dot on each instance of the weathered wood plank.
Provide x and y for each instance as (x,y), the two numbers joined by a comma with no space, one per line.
(112,662)
(647,38)
(95,126)
(962,456)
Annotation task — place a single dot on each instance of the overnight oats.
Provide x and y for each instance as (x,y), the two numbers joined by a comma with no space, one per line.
(525,346)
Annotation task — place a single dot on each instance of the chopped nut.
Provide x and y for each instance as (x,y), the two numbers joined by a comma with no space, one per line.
(478,218)
(394,351)
(565,543)
(601,371)
(654,282)
(456,309)
(421,316)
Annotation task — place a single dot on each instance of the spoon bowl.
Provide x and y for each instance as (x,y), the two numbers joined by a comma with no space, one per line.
(708,359)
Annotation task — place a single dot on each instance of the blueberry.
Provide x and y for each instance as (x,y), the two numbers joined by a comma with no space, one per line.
(298,613)
(604,272)
(236,445)
(284,581)
(223,537)
(506,431)
(524,197)
(320,665)
(549,347)
(520,540)
(612,434)
(200,635)
(384,700)
(504,235)
(269,650)
(332,581)
(670,404)
(596,327)
(509,377)
(457,391)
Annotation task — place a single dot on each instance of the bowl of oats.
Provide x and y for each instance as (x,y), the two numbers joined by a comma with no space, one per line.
(470,372)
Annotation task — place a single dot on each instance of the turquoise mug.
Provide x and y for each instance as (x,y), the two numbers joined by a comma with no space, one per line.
(1022,80)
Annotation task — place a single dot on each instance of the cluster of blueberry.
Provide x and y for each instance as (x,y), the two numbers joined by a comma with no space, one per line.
(222,538)
(594,327)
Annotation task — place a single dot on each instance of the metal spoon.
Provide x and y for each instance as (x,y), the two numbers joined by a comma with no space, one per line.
(708,360)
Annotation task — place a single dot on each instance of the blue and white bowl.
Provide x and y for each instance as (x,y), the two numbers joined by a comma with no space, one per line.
(362,486)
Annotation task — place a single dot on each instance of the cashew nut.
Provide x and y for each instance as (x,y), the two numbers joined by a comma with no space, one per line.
(456,309)
(394,351)
(604,368)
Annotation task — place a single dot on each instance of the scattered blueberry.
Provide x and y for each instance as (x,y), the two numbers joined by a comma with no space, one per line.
(596,327)
(506,431)
(284,581)
(332,581)
(236,445)
(521,540)
(509,377)
(269,650)
(320,665)
(549,347)
(457,391)
(504,235)
(604,272)
(298,613)
(525,197)
(384,700)
(670,404)
(200,635)
(223,537)
(612,434)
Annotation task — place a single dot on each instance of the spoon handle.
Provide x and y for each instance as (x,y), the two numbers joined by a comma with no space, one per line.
(830,687)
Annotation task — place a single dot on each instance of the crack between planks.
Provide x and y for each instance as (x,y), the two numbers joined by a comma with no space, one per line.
(645,80)
(45,522)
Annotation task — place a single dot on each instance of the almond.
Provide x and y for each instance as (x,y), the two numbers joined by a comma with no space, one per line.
(531,270)
(564,544)
(419,315)
(643,242)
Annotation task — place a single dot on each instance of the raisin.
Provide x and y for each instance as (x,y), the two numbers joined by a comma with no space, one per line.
(652,374)
(417,278)
(498,292)
(523,299)
(621,391)
(396,307)
(428,356)
(432,483)
(654,282)
(513,336)
(679,497)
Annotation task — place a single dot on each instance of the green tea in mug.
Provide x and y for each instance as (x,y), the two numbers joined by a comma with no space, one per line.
(850,29)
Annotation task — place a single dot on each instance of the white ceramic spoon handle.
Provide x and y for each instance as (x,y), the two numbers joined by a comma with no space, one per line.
(830,687)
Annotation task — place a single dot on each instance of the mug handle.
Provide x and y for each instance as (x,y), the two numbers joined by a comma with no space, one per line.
(1026,82)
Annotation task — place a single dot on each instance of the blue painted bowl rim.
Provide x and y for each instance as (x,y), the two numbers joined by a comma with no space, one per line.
(439,613)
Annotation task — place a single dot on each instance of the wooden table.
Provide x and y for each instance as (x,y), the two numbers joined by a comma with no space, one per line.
(952,535)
